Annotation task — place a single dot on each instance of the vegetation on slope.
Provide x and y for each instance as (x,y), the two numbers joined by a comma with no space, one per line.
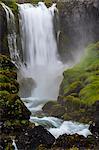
(79,90)
(83,79)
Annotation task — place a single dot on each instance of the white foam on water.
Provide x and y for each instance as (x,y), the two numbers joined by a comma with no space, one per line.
(70,127)
(14,144)
(59,127)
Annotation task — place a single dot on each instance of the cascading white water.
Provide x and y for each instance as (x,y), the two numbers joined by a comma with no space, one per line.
(40,62)
(39,47)
(38,41)
(11,35)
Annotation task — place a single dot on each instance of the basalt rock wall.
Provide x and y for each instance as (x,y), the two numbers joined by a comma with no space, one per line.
(79,26)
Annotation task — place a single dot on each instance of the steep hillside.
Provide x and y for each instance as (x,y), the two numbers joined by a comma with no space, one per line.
(79,90)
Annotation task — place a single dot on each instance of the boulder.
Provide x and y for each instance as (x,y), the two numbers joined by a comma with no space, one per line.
(31,138)
(54,109)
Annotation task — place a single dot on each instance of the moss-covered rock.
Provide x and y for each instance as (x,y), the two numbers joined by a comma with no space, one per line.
(54,109)
(14,115)
(5,63)
(76,142)
(46,108)
(80,87)
(6,143)
(10,74)
(11,3)
(13,112)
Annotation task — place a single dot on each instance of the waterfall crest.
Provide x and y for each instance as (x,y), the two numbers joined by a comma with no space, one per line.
(37,31)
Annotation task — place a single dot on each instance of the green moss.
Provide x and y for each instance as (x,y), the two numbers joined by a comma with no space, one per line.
(24,122)
(4,79)
(54,109)
(74,87)
(84,75)
(4,93)
(12,4)
(2,103)
(17,123)
(47,2)
(6,64)
(10,87)
(57,110)
(90,93)
(49,105)
(9,74)
(79,89)
(93,67)
(66,117)
(9,146)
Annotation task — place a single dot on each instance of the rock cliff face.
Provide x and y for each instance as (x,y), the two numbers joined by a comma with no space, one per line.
(79,26)
(3,32)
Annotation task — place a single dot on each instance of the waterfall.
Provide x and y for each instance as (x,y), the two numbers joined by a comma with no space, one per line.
(12,44)
(40,64)
(38,41)
(39,50)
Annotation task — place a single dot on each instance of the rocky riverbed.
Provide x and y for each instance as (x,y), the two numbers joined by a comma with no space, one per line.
(15,127)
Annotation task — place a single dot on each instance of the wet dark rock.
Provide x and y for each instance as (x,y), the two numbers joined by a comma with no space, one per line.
(94,126)
(6,64)
(3,32)
(54,109)
(69,141)
(79,21)
(33,137)
(6,143)
(96,112)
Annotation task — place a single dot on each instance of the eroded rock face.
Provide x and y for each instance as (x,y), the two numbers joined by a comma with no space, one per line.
(79,21)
